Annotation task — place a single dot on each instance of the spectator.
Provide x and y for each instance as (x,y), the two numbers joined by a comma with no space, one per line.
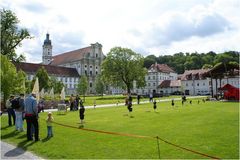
(130,105)
(138,99)
(172,102)
(41,105)
(31,115)
(10,110)
(71,102)
(81,112)
(77,102)
(19,113)
(154,105)
(49,121)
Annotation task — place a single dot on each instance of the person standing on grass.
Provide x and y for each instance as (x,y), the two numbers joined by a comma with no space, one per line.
(130,105)
(190,101)
(81,112)
(31,115)
(172,102)
(154,105)
(19,113)
(94,103)
(77,99)
(10,111)
(49,121)
(150,97)
(138,99)
(71,102)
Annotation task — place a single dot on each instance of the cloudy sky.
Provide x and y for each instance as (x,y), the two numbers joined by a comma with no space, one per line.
(156,27)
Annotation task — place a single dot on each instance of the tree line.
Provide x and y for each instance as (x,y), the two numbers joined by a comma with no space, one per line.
(180,62)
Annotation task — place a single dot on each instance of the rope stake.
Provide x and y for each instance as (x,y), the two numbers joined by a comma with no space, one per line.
(158,147)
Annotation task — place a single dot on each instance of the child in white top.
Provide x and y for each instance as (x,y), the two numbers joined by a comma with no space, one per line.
(49,121)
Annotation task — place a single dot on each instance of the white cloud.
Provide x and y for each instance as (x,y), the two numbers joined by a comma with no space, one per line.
(146,26)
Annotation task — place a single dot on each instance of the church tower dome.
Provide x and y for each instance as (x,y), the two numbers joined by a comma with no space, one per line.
(47,50)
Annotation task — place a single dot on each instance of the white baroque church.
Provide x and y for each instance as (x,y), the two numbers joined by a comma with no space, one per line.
(68,67)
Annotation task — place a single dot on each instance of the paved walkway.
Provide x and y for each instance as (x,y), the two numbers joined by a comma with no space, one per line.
(9,151)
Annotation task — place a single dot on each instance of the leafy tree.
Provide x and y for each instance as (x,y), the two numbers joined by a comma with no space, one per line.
(29,86)
(99,85)
(56,85)
(8,74)
(43,78)
(187,61)
(123,66)
(207,66)
(149,60)
(11,35)
(20,82)
(82,86)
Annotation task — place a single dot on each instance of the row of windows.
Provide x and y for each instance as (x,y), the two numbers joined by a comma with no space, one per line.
(203,84)
(96,55)
(74,86)
(90,73)
(91,67)
(222,83)
(67,79)
(161,78)
(149,84)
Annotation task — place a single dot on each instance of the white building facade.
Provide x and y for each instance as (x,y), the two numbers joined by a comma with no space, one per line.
(194,83)
(87,61)
(155,75)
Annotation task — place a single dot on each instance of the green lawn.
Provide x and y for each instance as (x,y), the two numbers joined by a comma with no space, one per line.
(211,128)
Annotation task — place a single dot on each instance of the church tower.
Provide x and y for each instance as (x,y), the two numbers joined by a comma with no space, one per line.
(47,50)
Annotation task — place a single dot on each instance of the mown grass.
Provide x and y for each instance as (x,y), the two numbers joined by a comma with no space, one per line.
(211,128)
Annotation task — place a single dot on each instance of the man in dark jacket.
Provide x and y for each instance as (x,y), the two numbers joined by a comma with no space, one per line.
(10,110)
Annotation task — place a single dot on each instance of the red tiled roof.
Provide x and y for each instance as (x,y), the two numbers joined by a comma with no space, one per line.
(70,56)
(198,73)
(51,70)
(162,68)
(170,83)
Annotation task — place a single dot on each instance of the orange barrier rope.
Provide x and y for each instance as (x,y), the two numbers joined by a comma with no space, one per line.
(139,136)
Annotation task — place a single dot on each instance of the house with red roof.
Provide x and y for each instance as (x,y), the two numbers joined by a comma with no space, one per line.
(157,73)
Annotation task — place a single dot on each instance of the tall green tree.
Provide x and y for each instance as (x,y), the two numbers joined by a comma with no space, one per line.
(123,66)
(56,85)
(43,78)
(8,76)
(11,35)
(99,85)
(82,86)
(20,82)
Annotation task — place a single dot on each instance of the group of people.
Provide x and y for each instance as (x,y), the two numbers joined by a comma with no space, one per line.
(74,102)
(21,108)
